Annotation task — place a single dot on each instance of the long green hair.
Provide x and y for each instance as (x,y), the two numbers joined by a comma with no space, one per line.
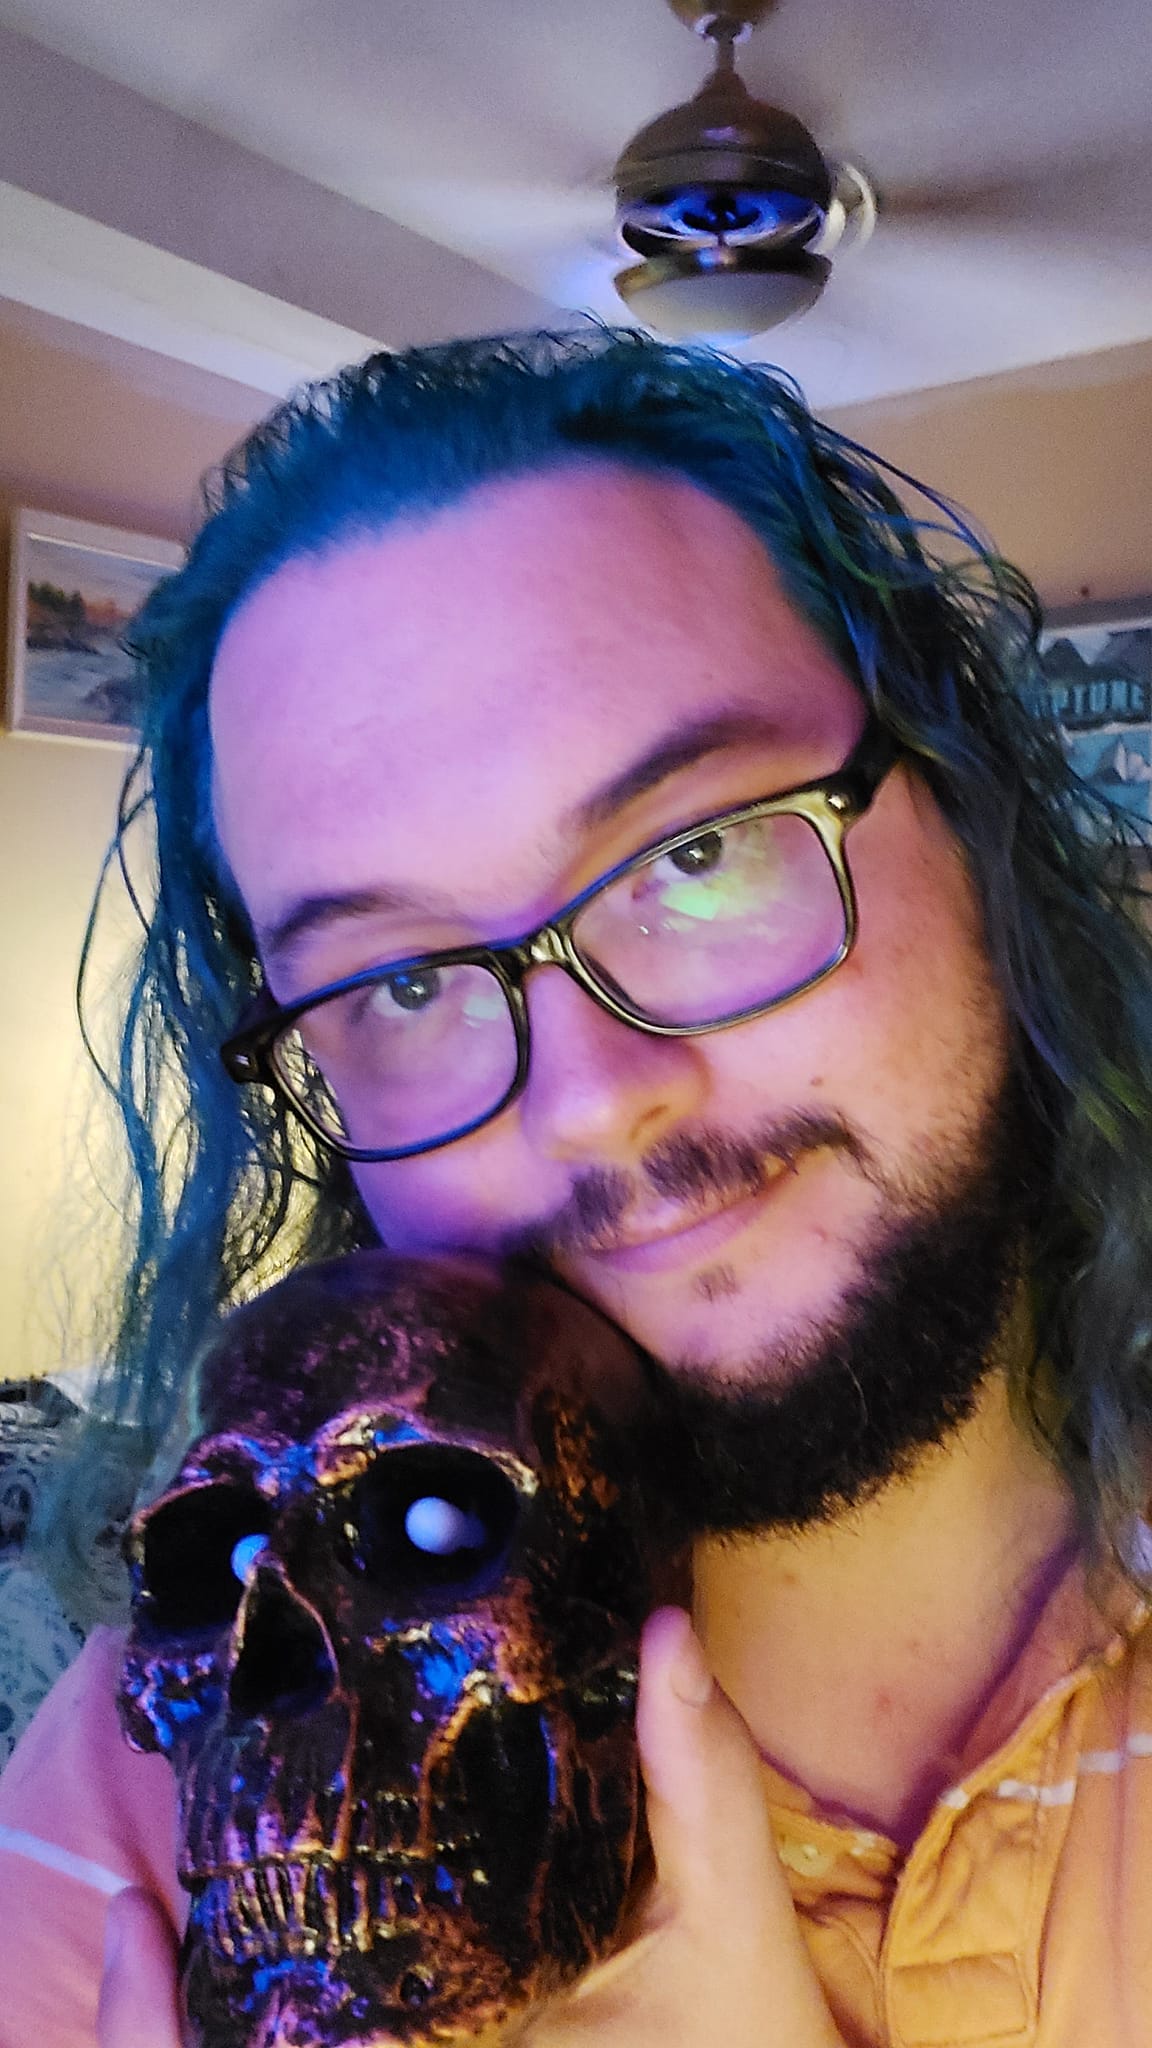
(938,633)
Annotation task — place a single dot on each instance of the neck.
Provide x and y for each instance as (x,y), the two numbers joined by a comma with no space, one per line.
(862,1652)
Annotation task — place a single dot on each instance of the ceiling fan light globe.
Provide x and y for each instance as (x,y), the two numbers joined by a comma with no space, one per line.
(719,290)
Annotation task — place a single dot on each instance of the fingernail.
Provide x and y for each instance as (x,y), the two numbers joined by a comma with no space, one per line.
(690,1677)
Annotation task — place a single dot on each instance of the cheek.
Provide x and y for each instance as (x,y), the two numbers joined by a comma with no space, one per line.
(919,989)
(414,1210)
(911,1030)
(467,1197)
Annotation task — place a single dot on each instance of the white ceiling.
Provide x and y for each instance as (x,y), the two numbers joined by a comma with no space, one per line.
(398,170)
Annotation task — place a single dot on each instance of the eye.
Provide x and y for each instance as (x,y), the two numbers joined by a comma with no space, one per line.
(244,1555)
(441,1528)
(414,991)
(192,1546)
(430,1518)
(700,856)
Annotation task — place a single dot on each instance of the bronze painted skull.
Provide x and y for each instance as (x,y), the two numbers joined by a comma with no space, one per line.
(385,1628)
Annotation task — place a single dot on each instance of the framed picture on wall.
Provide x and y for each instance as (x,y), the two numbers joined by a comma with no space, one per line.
(1097,666)
(73,588)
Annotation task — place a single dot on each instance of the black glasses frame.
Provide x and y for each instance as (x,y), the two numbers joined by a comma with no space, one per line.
(831,806)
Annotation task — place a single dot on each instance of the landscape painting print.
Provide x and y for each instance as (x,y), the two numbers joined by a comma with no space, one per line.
(74,589)
(1097,665)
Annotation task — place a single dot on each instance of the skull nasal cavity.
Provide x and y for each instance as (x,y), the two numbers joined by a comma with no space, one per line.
(284,1665)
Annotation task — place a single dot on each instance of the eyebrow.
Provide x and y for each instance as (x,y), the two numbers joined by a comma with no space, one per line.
(683,746)
(311,914)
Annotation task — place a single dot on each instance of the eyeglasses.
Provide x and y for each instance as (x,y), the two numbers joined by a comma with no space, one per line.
(717,924)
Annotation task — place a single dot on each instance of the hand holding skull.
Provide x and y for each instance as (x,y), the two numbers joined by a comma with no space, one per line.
(386,1630)
(718,1960)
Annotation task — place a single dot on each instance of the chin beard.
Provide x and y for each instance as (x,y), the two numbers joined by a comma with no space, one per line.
(856,1401)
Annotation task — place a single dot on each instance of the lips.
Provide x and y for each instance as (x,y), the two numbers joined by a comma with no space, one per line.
(667,1233)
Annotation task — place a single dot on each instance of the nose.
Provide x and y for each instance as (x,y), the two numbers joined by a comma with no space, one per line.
(597,1088)
(284,1662)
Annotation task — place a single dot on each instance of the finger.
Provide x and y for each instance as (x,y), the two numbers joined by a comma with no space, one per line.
(719,1877)
(706,1810)
(139,2006)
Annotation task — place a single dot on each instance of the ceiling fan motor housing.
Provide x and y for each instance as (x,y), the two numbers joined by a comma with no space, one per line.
(719,197)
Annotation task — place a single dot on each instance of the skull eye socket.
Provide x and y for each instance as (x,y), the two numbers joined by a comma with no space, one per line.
(188,1572)
(430,1518)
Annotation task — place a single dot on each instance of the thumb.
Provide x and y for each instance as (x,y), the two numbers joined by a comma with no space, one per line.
(139,2006)
(719,1877)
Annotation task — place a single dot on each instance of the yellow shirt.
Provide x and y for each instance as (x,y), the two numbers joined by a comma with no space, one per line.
(1022,1915)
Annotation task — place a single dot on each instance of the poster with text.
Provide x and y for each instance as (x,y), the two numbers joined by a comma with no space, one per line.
(1099,676)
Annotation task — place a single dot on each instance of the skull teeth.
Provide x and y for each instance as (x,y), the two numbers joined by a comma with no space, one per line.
(319,1906)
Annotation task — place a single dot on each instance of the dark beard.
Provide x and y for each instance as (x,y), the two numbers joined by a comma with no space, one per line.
(857,1403)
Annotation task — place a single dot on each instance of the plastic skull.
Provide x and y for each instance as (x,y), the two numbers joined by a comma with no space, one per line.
(385,1625)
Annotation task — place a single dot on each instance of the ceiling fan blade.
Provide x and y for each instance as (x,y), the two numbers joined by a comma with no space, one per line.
(925,306)
(1098,193)
(486,215)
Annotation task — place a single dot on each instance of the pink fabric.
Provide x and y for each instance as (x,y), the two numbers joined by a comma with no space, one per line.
(74,1784)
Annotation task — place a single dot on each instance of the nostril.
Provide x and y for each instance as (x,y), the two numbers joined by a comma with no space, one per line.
(284,1664)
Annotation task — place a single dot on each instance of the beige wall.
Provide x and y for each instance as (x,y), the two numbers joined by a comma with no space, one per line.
(1055,462)
(95,430)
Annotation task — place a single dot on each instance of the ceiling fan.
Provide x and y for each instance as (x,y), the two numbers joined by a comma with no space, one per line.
(996,242)
(729,204)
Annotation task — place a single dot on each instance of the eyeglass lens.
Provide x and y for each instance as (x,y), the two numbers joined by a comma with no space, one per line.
(739,917)
(404,1059)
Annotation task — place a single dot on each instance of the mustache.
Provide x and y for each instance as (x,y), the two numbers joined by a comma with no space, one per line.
(697,1168)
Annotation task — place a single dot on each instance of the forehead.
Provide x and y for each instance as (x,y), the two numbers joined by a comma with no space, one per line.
(474,675)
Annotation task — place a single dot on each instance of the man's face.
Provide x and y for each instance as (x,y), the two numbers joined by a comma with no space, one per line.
(429,738)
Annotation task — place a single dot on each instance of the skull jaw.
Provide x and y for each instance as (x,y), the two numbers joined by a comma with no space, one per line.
(314,1953)
(450,1972)
(535,1817)
(349,1999)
